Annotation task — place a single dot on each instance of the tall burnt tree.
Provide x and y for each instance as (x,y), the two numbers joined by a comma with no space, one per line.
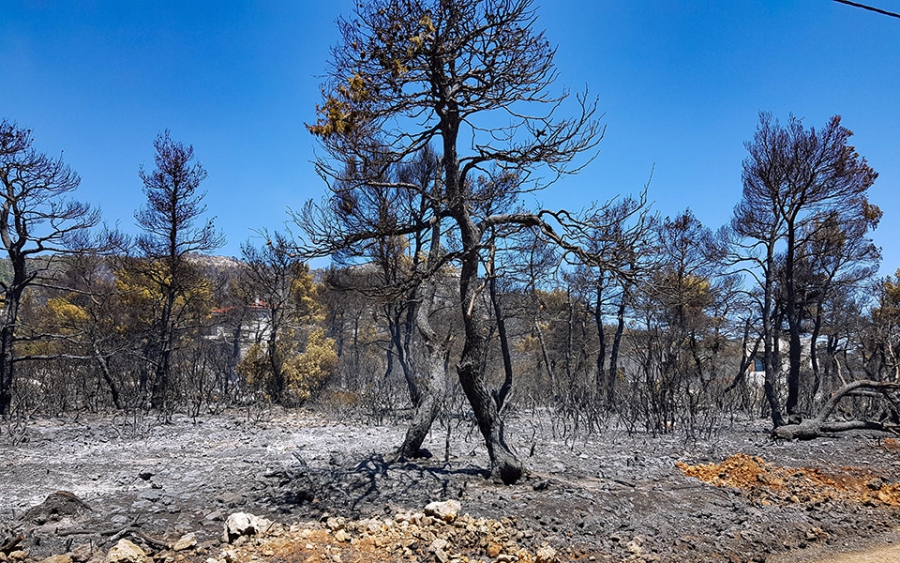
(618,234)
(472,78)
(792,177)
(170,234)
(36,218)
(395,279)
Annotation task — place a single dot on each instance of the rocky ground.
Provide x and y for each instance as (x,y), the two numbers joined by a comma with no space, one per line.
(313,488)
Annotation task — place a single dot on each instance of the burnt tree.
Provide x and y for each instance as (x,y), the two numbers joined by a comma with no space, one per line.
(36,218)
(170,234)
(472,79)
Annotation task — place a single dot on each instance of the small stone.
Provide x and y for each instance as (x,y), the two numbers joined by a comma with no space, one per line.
(230,499)
(634,548)
(18,555)
(152,495)
(446,511)
(493,550)
(242,524)
(126,552)
(545,554)
(186,541)
(57,559)
(335,524)
(341,536)
(214,515)
(81,553)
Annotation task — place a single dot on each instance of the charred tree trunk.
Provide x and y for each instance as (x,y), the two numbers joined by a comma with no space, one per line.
(278,385)
(504,463)
(12,298)
(601,383)
(793,318)
(769,343)
(160,387)
(107,376)
(501,394)
(428,391)
(429,384)
(818,426)
(614,353)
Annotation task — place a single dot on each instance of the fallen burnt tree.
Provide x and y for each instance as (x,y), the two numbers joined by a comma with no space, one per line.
(819,426)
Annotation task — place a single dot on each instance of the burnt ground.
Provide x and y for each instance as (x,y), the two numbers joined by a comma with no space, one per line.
(609,496)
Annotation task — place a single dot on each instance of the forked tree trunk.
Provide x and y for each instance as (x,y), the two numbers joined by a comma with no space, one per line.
(505,466)
(427,392)
(107,375)
(430,382)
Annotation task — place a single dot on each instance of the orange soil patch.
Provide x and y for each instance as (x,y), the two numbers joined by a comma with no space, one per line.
(767,484)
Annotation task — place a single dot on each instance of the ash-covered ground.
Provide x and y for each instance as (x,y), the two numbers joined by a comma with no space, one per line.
(609,495)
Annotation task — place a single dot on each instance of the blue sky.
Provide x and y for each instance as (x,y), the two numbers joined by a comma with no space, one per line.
(680,85)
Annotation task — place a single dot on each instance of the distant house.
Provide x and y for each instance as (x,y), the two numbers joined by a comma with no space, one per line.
(240,327)
(756,371)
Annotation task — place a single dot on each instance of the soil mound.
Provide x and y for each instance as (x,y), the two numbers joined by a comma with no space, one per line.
(57,505)
(766,484)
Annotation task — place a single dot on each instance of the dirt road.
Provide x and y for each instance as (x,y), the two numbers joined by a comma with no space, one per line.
(872,553)
(882,555)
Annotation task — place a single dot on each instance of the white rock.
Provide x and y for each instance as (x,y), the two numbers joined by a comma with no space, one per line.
(126,552)
(186,541)
(446,510)
(545,554)
(244,524)
(335,524)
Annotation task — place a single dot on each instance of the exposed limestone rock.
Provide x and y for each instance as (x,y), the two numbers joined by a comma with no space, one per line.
(186,541)
(81,553)
(446,511)
(545,554)
(335,524)
(57,559)
(126,552)
(244,524)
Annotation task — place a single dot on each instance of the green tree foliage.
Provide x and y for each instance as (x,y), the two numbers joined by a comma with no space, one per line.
(291,357)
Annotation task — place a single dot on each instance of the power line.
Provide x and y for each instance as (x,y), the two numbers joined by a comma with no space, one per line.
(870,8)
